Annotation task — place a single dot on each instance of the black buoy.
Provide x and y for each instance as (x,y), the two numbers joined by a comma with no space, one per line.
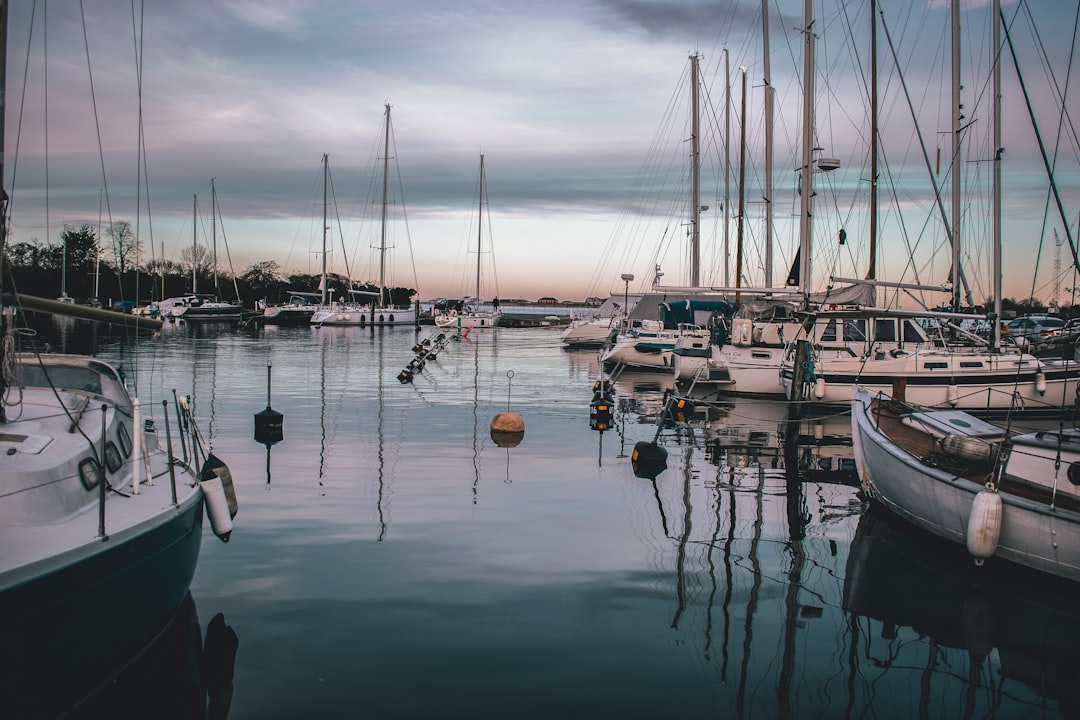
(269,423)
(405,376)
(648,460)
(600,413)
(682,409)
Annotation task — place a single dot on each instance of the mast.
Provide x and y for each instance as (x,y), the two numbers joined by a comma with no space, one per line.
(807,185)
(382,242)
(5,318)
(326,172)
(695,200)
(727,167)
(194,242)
(742,193)
(956,155)
(769,97)
(871,271)
(213,230)
(479,230)
(996,200)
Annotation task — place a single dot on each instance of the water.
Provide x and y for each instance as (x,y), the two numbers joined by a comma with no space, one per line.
(390,560)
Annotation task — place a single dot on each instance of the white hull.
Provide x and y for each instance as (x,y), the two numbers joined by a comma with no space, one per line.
(468,320)
(966,380)
(1032,533)
(590,333)
(363,315)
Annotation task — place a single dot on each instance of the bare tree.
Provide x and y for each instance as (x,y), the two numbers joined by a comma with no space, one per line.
(124,246)
(197,257)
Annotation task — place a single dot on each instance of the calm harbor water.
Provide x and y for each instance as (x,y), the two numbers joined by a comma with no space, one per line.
(390,560)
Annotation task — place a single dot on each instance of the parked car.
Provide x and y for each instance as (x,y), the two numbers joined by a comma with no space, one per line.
(1034,329)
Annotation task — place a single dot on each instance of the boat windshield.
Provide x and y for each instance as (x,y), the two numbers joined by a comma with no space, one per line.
(91,377)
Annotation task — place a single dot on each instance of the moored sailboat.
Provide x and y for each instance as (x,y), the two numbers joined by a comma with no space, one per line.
(381,310)
(469,313)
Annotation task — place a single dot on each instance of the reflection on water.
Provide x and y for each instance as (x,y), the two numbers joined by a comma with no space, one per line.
(179,676)
(978,641)
(730,584)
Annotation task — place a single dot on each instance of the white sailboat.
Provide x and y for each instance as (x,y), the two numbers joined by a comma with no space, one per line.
(381,311)
(197,306)
(468,313)
(986,377)
(100,521)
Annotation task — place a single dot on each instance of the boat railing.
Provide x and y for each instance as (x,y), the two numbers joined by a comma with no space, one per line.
(188,435)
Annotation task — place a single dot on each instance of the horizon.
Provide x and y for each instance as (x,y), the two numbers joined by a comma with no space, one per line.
(569,104)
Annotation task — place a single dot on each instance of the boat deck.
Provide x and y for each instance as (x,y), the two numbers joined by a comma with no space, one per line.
(889,417)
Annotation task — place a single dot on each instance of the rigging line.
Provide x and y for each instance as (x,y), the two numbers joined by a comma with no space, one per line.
(45,73)
(136,35)
(97,124)
(404,212)
(22,107)
(1042,147)
(1050,72)
(228,255)
(918,132)
(341,235)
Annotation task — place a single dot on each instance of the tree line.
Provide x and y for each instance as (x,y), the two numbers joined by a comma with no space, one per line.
(109,270)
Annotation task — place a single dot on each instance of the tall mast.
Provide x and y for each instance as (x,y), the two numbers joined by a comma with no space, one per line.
(382,242)
(871,271)
(479,230)
(5,316)
(996,210)
(213,230)
(325,178)
(194,242)
(956,155)
(742,193)
(807,185)
(695,201)
(769,96)
(727,167)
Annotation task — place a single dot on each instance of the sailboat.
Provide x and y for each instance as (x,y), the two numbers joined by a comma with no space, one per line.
(467,314)
(202,306)
(381,311)
(659,320)
(100,521)
(987,378)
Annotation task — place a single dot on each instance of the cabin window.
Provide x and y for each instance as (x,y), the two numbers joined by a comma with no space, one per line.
(911,332)
(936,366)
(829,333)
(854,330)
(760,355)
(971,364)
(112,457)
(885,330)
(125,439)
(89,473)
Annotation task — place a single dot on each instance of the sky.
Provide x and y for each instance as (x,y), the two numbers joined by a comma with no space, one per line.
(581,111)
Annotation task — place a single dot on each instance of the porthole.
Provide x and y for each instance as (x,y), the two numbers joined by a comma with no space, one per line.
(89,473)
(125,440)
(112,457)
(1074,473)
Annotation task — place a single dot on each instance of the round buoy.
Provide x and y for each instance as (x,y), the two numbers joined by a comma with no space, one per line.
(405,377)
(984,524)
(507,422)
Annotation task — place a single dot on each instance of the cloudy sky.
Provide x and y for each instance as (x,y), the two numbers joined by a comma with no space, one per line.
(580,108)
